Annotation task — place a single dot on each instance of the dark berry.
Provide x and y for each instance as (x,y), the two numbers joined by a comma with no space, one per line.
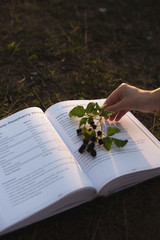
(93,138)
(93,153)
(80,150)
(94,126)
(100,141)
(85,141)
(90,147)
(91,123)
(90,129)
(99,133)
(83,146)
(79,131)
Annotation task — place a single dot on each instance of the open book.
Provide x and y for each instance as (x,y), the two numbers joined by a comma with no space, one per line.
(42,173)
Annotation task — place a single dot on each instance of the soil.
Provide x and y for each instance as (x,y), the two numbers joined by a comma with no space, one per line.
(56,50)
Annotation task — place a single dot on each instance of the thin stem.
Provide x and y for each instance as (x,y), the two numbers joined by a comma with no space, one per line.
(101,123)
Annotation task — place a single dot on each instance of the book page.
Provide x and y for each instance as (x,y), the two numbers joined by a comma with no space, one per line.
(142,151)
(36,167)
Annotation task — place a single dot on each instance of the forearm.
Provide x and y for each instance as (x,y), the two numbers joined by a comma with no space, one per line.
(155,99)
(145,100)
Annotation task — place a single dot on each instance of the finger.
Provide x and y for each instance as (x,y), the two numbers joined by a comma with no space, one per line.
(120,115)
(115,107)
(114,97)
(112,117)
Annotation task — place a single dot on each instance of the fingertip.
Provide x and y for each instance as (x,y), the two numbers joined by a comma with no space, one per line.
(120,115)
(104,106)
(112,117)
(118,118)
(106,118)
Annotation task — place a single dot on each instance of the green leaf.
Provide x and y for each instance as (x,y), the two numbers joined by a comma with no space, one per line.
(119,143)
(95,112)
(112,130)
(11,45)
(82,121)
(107,143)
(106,113)
(97,106)
(92,133)
(90,107)
(90,119)
(33,57)
(86,133)
(77,112)
(85,130)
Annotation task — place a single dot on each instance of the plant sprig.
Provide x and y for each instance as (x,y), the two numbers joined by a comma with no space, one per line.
(90,127)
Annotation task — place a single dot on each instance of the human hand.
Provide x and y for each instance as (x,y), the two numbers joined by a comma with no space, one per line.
(127,97)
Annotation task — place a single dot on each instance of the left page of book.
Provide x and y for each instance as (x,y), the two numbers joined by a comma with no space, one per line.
(36,167)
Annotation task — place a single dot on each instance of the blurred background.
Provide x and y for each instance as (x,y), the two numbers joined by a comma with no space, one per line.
(57,50)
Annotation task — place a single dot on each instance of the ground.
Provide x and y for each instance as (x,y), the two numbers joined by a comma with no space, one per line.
(56,50)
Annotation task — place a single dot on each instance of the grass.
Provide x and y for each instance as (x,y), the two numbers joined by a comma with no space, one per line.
(56,50)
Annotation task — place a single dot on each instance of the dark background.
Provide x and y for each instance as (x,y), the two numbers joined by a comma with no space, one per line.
(57,50)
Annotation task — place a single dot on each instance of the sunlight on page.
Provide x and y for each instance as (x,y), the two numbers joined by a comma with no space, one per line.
(34,163)
(135,156)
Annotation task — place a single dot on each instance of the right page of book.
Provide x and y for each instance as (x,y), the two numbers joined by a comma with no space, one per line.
(141,153)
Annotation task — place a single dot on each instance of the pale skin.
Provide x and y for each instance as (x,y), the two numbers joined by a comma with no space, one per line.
(127,97)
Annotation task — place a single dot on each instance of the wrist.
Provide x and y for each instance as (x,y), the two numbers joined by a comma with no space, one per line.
(155,99)
(148,100)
